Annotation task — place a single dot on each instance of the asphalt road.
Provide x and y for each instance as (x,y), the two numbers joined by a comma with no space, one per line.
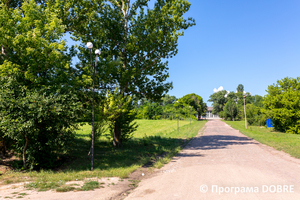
(224,164)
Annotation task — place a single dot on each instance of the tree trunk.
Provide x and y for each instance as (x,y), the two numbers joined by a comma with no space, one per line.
(117,135)
(24,152)
(3,50)
(3,147)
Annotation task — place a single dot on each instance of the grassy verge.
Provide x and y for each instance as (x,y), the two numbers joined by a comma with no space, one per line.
(286,142)
(152,139)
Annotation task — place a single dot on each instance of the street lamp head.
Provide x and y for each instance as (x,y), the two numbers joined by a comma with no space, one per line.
(97,52)
(244,96)
(89,45)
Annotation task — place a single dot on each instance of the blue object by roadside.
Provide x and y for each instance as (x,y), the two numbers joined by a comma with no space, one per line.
(269,123)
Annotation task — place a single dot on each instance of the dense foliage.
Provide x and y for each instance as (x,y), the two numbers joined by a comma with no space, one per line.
(188,106)
(40,122)
(230,110)
(138,40)
(119,110)
(38,110)
(30,38)
(230,106)
(42,95)
(282,102)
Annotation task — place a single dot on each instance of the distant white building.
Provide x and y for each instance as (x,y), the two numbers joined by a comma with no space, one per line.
(209,114)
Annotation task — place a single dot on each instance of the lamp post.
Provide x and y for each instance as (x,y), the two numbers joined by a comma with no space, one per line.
(97,52)
(190,114)
(177,119)
(198,113)
(245,112)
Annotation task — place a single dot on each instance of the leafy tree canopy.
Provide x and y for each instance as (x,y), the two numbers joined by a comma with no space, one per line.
(230,110)
(139,37)
(240,88)
(135,38)
(193,100)
(283,102)
(167,99)
(219,100)
(31,46)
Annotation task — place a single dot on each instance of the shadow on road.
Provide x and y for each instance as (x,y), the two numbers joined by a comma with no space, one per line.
(218,142)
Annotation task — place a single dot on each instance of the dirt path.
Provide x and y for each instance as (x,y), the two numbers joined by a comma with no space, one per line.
(224,164)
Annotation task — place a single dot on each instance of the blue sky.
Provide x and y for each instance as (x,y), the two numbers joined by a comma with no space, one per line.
(249,42)
(254,43)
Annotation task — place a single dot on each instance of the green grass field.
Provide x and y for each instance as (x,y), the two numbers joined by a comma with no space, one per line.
(289,143)
(152,138)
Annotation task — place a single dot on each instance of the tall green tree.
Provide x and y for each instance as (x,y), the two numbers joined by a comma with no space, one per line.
(240,88)
(31,39)
(219,100)
(193,100)
(230,110)
(139,40)
(38,109)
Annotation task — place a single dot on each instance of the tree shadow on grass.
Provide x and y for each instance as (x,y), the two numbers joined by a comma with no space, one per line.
(138,151)
(106,157)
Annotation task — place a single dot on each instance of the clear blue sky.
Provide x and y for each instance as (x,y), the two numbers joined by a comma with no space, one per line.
(252,42)
(249,42)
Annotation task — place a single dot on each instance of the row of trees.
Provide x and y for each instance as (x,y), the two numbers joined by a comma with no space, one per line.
(281,104)
(42,95)
(188,106)
(230,105)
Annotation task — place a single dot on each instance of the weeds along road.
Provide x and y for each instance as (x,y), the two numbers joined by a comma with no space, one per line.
(224,164)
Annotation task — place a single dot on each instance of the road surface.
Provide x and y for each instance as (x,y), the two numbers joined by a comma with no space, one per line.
(224,164)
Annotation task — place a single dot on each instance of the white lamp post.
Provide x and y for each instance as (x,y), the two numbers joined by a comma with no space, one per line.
(97,52)
(90,46)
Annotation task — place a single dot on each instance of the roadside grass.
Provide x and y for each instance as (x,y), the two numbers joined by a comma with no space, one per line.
(152,139)
(286,142)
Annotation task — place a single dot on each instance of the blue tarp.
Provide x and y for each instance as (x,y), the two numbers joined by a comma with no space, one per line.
(269,123)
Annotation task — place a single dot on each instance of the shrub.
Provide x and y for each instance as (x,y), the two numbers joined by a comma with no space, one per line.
(40,122)
(283,104)
(120,113)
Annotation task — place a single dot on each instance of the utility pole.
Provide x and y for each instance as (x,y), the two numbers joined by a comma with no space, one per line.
(245,112)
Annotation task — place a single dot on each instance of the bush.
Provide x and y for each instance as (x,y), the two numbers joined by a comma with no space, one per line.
(157,117)
(40,122)
(283,104)
(120,113)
